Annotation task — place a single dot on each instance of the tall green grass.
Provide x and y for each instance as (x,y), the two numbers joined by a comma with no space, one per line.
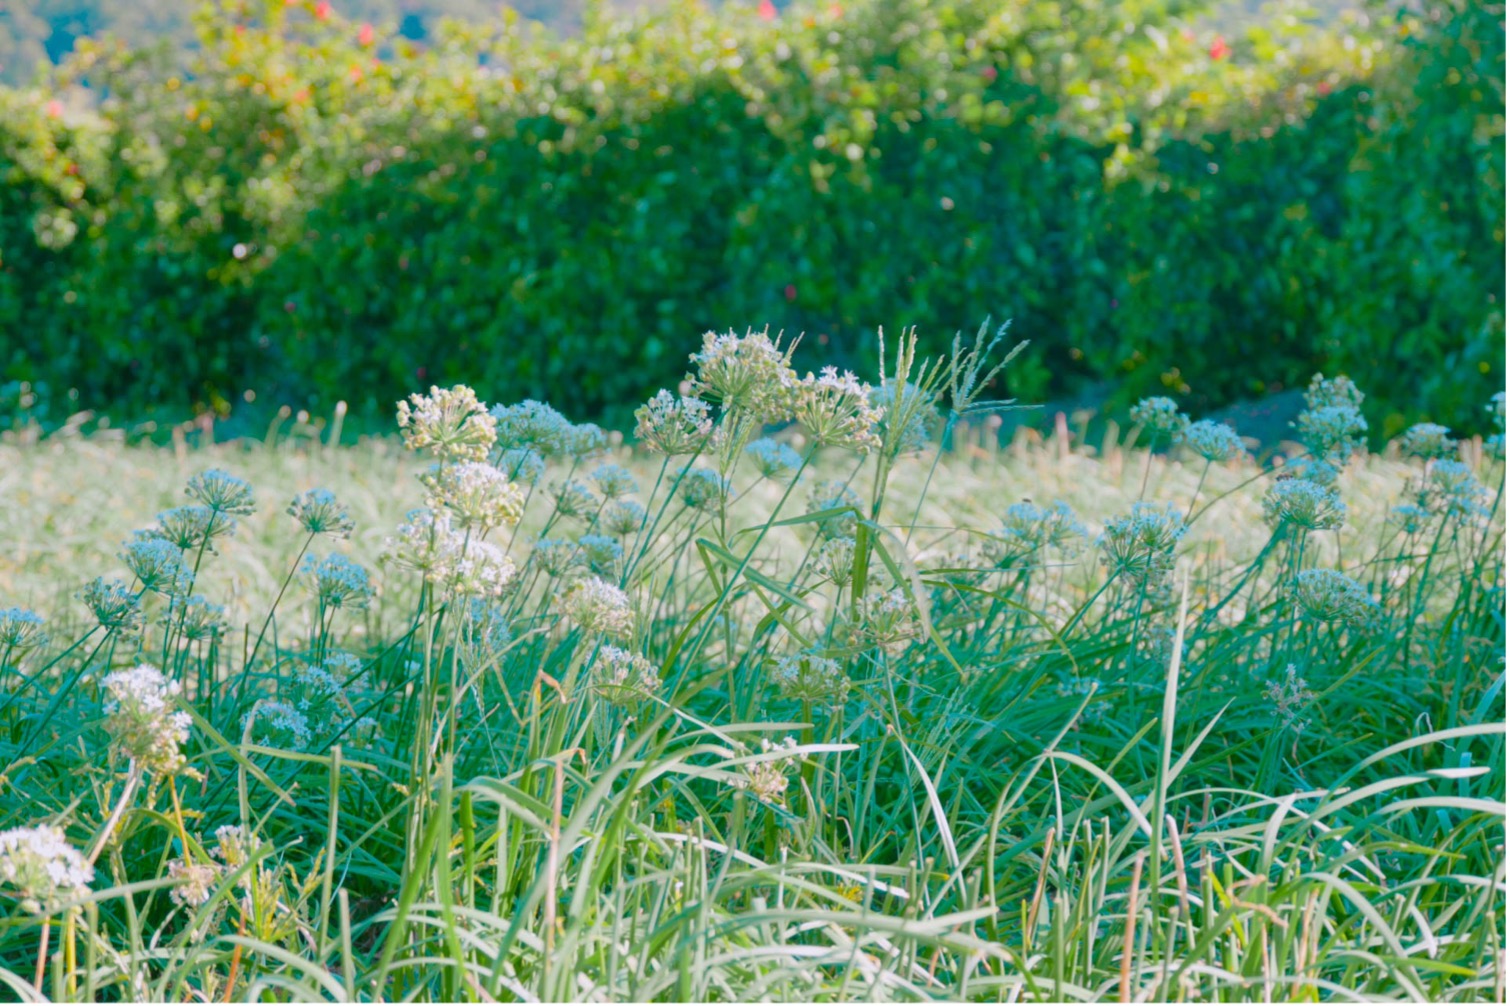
(1044,779)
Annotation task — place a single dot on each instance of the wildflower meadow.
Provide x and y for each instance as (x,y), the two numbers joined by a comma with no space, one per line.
(808,687)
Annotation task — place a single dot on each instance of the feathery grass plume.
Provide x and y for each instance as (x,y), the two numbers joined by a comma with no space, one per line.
(766,779)
(773,460)
(523,465)
(831,494)
(597,606)
(673,425)
(810,677)
(21,630)
(1290,697)
(1160,416)
(834,561)
(113,605)
(749,373)
(159,565)
(585,440)
(318,512)
(193,882)
(704,489)
(451,424)
(1325,595)
(575,501)
(41,870)
(557,557)
(622,517)
(142,721)
(278,725)
(222,492)
(1028,528)
(909,416)
(887,619)
(837,411)
(197,618)
(481,570)
(1142,543)
(531,426)
(966,380)
(478,496)
(1428,440)
(603,554)
(195,527)
(614,481)
(425,543)
(1216,442)
(1304,504)
(337,581)
(624,679)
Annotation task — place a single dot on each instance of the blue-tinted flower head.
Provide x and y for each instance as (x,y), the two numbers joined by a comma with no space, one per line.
(319,512)
(222,492)
(1143,542)
(337,581)
(773,460)
(532,425)
(614,481)
(1027,528)
(1216,442)
(1428,440)
(1160,416)
(622,517)
(1305,505)
(21,630)
(1325,595)
(159,565)
(704,489)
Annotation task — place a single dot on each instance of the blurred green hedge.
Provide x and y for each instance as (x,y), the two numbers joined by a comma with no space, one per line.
(319,211)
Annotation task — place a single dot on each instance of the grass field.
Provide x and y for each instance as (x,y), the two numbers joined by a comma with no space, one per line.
(751,719)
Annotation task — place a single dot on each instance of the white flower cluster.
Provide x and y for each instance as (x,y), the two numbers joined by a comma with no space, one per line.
(1304,504)
(673,425)
(142,721)
(623,678)
(451,424)
(478,496)
(41,869)
(809,677)
(837,410)
(749,373)
(596,605)
(766,779)
(448,558)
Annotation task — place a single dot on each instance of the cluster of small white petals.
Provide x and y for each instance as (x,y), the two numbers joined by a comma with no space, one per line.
(1142,543)
(623,678)
(337,581)
(888,619)
(622,517)
(673,425)
(142,721)
(319,512)
(1290,697)
(158,564)
(837,410)
(750,373)
(195,882)
(477,495)
(809,677)
(451,424)
(766,779)
(222,492)
(1216,442)
(1027,528)
(596,605)
(1160,416)
(21,630)
(1326,595)
(41,869)
(1428,440)
(1304,504)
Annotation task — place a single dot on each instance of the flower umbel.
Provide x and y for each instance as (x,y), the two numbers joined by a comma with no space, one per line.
(41,869)
(142,721)
(451,424)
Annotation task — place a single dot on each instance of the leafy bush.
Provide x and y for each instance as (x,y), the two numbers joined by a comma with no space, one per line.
(318,207)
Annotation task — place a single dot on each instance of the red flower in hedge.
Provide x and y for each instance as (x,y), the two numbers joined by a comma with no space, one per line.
(1220,49)
(791,291)
(766,10)
(322,10)
(364,35)
(988,72)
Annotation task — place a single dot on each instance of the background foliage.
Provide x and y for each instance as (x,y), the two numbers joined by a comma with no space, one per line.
(322,209)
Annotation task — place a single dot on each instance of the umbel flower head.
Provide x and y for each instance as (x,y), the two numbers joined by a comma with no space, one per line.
(1216,442)
(766,779)
(704,489)
(41,870)
(1142,543)
(773,460)
(1027,529)
(195,882)
(1428,440)
(810,677)
(337,581)
(318,512)
(673,425)
(159,565)
(194,527)
(557,557)
(1303,504)
(142,721)
(278,725)
(836,409)
(1326,595)
(1160,416)
(532,426)
(575,501)
(751,374)
(21,629)
(451,424)
(614,481)
(602,553)
(834,561)
(482,570)
(479,496)
(222,492)
(1333,432)
(622,517)
(596,605)
(888,619)
(1450,487)
(524,465)
(196,618)
(425,544)
(114,605)
(622,678)
(1333,392)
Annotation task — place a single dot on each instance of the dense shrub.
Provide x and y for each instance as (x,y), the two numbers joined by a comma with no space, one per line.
(319,207)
